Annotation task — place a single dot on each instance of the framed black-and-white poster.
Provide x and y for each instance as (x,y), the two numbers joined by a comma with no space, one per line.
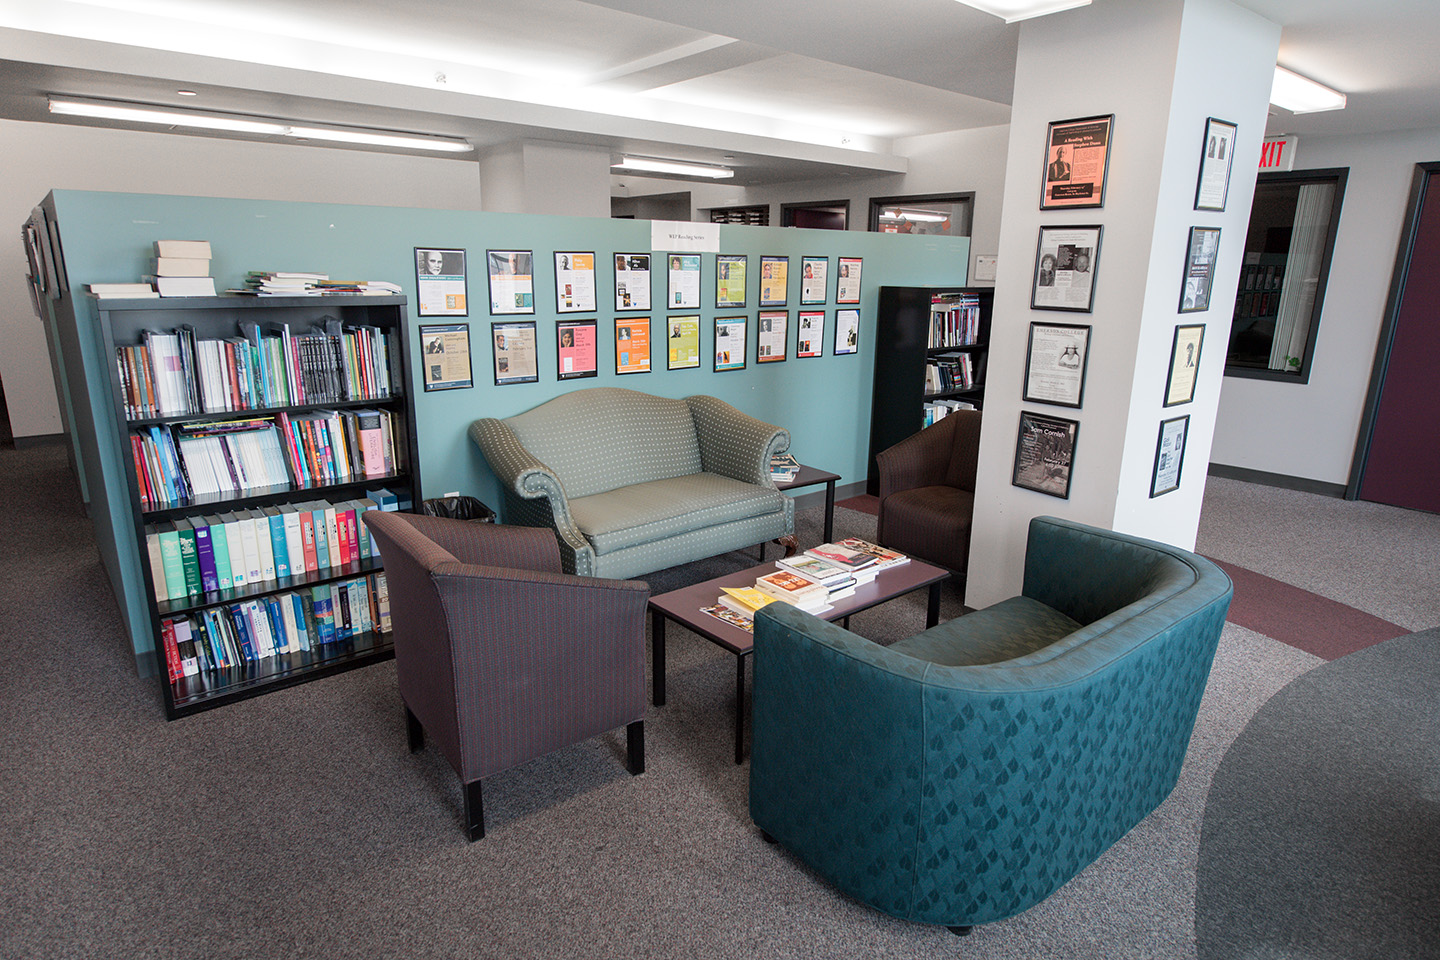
(1055,364)
(1077,162)
(1066,262)
(1169,455)
(515,353)
(445,356)
(1200,258)
(1213,185)
(1045,453)
(1184,364)
(440,282)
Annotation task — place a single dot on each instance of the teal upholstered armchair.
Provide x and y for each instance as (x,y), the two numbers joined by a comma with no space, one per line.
(964,774)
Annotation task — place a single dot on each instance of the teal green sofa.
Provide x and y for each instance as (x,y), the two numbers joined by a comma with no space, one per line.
(632,483)
(964,774)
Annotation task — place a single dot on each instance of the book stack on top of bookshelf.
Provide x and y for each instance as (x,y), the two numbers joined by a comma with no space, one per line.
(812,581)
(182,268)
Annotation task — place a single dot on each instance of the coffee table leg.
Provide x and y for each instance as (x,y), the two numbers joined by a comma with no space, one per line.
(657,658)
(932,610)
(829,511)
(740,709)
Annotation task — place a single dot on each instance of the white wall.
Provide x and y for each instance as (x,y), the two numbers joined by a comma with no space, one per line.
(1309,430)
(39,157)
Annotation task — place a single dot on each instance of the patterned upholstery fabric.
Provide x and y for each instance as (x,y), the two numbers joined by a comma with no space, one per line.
(927,491)
(499,655)
(632,483)
(956,787)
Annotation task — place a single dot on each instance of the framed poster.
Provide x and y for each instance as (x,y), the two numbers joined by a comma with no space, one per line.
(847,286)
(774,279)
(632,345)
(35,258)
(730,343)
(1044,454)
(1066,260)
(445,356)
(772,337)
(1184,364)
(814,272)
(1200,259)
(682,342)
(1077,161)
(810,341)
(1169,455)
(632,281)
(515,360)
(1213,185)
(575,282)
(1055,364)
(440,282)
(683,288)
(576,355)
(730,280)
(847,332)
(512,281)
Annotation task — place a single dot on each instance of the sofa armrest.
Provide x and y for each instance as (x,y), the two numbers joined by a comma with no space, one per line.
(920,460)
(735,444)
(525,476)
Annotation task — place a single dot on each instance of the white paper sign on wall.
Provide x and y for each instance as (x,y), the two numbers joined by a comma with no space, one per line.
(684,236)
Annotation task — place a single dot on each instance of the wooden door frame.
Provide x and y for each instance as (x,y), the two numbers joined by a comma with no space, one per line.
(1410,227)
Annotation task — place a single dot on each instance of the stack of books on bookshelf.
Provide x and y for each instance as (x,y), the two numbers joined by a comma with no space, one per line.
(256,629)
(122,291)
(193,557)
(269,283)
(371,288)
(783,468)
(949,371)
(954,320)
(182,268)
(177,374)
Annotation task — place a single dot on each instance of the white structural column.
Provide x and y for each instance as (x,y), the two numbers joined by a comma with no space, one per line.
(1161,67)
(542,176)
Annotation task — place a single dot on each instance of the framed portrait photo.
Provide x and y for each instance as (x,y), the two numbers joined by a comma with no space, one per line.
(1055,364)
(1066,262)
(1169,455)
(1184,364)
(1200,256)
(1077,162)
(1217,153)
(440,282)
(1045,453)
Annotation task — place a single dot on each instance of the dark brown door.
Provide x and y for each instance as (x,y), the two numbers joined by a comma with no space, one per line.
(1402,463)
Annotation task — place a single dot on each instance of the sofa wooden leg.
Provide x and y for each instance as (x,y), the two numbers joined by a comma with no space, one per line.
(415,732)
(791,545)
(474,812)
(960,931)
(635,747)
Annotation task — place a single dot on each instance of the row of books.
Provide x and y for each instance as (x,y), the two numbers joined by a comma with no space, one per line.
(275,283)
(950,371)
(812,581)
(193,557)
(178,464)
(938,409)
(177,374)
(295,621)
(783,468)
(954,320)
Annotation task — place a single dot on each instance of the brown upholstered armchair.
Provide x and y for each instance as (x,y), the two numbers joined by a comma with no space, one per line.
(927,491)
(500,656)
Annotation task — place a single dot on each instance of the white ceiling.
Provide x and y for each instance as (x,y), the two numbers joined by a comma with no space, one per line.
(780,91)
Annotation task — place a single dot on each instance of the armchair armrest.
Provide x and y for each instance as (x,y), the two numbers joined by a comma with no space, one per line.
(494,545)
(735,444)
(920,460)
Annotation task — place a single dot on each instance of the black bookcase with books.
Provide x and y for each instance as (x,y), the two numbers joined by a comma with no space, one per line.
(242,417)
(931,347)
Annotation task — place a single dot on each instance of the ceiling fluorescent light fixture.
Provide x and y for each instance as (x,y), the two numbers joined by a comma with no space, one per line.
(139,113)
(1301,95)
(677,167)
(918,216)
(1012,11)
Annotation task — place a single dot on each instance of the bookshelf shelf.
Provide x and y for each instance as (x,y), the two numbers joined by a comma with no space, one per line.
(288,606)
(909,338)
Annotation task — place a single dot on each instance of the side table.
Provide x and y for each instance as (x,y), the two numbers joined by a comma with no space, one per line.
(809,477)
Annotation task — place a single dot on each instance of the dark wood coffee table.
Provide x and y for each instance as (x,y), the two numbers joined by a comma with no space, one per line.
(683,606)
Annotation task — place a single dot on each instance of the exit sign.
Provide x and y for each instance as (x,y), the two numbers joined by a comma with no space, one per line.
(1277,153)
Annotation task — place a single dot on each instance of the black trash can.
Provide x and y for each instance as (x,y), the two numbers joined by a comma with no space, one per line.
(458,508)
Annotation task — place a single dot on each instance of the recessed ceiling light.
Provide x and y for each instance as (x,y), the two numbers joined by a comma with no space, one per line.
(1013,10)
(187,93)
(1302,95)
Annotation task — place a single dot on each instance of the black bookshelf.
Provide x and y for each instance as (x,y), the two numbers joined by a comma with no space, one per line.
(902,351)
(123,322)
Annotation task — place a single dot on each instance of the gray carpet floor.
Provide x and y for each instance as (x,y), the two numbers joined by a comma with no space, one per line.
(297,824)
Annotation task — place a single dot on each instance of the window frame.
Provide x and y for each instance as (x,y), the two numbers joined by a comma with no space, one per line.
(966,197)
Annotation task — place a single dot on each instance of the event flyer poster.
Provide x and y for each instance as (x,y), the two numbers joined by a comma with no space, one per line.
(847,331)
(577,355)
(684,287)
(512,281)
(515,356)
(575,282)
(730,280)
(440,282)
(683,342)
(729,343)
(774,277)
(632,345)
(810,342)
(814,271)
(632,281)
(847,288)
(771,339)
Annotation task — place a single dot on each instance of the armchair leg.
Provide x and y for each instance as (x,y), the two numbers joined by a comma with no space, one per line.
(960,931)
(635,747)
(415,732)
(474,812)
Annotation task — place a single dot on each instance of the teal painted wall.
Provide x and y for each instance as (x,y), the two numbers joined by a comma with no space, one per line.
(824,402)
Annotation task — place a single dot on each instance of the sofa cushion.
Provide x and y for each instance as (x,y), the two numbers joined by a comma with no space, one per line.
(601,439)
(932,523)
(1009,629)
(645,512)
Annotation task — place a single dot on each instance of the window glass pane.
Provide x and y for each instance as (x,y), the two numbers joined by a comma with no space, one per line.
(946,217)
